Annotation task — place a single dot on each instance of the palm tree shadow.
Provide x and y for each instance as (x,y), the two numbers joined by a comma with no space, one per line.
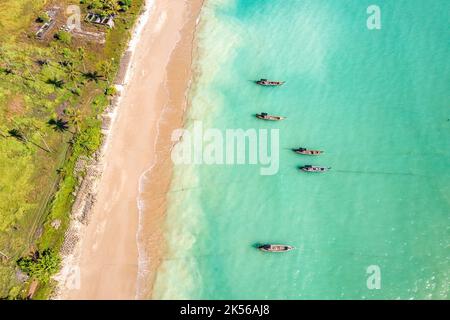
(92,76)
(59,125)
(59,84)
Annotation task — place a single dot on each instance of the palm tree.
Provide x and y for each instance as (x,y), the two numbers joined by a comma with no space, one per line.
(72,72)
(75,118)
(107,68)
(59,125)
(56,50)
(35,125)
(47,148)
(59,84)
(92,76)
(14,65)
(111,6)
(82,55)
(23,59)
(20,135)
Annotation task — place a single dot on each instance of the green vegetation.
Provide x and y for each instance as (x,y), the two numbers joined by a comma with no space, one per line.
(51,93)
(107,7)
(125,5)
(63,36)
(41,265)
(43,17)
(110,91)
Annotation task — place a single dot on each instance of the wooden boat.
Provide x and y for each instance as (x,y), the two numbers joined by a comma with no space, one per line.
(309,168)
(275,248)
(308,152)
(268,83)
(265,116)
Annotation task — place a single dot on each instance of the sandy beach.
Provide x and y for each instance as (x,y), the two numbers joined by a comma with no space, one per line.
(137,161)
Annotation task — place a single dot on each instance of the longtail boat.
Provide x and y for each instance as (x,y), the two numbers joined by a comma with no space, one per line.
(275,248)
(268,83)
(309,168)
(308,151)
(265,116)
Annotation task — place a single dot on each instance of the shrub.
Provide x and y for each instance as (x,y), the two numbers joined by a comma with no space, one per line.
(76,91)
(63,36)
(124,5)
(40,266)
(111,91)
(89,140)
(43,17)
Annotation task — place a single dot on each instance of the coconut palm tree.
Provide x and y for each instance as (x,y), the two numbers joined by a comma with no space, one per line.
(47,148)
(111,7)
(82,55)
(36,128)
(72,72)
(23,59)
(107,68)
(20,136)
(75,118)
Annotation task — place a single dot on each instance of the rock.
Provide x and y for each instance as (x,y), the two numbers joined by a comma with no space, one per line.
(56,224)
(70,241)
(21,276)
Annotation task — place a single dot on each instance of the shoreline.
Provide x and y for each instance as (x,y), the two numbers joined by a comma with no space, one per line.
(102,262)
(153,208)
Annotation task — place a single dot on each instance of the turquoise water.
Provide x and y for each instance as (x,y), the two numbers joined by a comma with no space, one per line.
(376,101)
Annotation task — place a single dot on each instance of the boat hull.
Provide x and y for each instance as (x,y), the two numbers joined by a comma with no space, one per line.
(314,169)
(268,83)
(309,152)
(275,248)
(270,118)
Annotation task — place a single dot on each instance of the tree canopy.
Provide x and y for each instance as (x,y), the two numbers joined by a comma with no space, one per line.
(41,266)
